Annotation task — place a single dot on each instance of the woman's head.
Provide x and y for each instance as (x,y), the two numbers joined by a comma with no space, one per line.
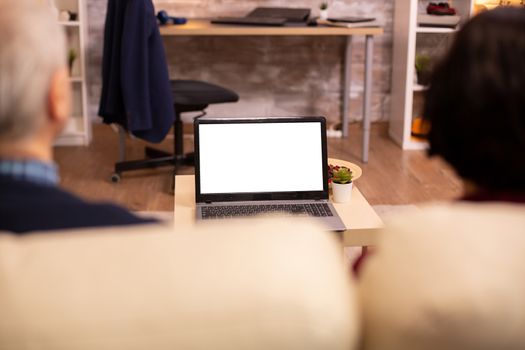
(476,101)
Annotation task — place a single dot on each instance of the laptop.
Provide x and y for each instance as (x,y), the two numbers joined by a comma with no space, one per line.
(254,21)
(250,166)
(268,16)
(290,14)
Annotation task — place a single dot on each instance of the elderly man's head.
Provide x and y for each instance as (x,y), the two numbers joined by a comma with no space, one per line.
(34,87)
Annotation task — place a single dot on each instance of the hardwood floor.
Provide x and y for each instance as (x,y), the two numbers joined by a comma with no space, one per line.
(392,176)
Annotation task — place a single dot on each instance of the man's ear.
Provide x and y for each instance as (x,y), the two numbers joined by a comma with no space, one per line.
(59,99)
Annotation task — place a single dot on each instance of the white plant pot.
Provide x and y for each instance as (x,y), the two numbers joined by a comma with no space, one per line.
(342,193)
(323,14)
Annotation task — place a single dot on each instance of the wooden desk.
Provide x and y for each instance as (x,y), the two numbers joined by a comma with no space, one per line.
(203,27)
(358,216)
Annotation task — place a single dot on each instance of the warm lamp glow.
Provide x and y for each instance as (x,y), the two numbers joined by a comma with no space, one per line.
(489,4)
(482,5)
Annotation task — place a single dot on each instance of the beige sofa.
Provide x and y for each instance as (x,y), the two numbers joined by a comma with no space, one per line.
(278,285)
(447,277)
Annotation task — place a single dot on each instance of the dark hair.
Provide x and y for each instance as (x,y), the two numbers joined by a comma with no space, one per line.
(476,101)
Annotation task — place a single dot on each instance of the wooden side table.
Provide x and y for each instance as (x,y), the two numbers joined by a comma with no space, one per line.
(359,217)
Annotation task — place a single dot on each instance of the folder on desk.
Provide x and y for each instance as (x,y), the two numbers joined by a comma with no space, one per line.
(351,19)
(366,24)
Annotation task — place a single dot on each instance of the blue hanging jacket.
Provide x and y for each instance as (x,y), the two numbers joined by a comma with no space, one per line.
(136,91)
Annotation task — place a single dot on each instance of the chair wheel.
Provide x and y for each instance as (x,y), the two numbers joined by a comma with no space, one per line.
(115,178)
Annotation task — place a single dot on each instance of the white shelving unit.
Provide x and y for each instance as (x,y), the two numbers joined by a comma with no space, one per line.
(407,94)
(78,130)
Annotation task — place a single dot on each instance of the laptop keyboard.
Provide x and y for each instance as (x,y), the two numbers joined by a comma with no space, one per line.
(229,211)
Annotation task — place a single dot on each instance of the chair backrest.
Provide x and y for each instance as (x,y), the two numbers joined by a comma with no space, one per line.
(448,277)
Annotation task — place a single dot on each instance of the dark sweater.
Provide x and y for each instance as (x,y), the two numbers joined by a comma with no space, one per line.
(25,207)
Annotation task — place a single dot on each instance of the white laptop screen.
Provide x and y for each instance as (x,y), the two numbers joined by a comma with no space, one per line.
(260,157)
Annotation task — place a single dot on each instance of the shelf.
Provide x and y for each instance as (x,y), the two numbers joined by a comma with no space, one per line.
(435,30)
(69,23)
(76,79)
(71,140)
(417,33)
(74,126)
(78,129)
(418,88)
(73,133)
(416,144)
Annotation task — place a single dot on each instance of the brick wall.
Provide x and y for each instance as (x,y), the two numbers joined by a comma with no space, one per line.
(273,75)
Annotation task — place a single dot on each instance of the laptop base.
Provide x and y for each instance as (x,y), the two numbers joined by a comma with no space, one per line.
(323,211)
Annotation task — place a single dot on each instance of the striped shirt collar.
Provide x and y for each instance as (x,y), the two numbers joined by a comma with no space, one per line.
(34,171)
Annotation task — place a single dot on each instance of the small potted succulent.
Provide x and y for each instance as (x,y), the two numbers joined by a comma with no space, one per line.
(342,185)
(323,14)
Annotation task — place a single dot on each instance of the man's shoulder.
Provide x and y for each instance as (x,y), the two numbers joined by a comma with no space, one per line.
(31,194)
(28,207)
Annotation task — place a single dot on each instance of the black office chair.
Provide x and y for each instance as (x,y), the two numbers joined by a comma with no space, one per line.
(188,96)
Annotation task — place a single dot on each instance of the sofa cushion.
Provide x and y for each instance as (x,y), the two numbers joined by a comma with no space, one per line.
(254,285)
(448,277)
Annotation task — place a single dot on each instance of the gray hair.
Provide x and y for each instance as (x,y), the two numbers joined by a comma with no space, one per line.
(32,49)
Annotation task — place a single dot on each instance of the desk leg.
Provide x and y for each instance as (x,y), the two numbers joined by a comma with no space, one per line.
(367,95)
(121,143)
(346,87)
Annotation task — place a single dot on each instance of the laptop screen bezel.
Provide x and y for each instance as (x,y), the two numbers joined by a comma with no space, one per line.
(260,196)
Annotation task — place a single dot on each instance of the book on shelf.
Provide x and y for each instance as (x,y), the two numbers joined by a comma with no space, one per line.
(438,21)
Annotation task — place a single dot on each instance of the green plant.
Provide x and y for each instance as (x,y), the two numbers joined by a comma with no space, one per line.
(423,63)
(324,5)
(342,176)
(71,57)
(423,66)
